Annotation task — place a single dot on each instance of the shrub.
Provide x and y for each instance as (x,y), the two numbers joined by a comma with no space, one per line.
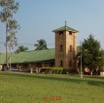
(56,70)
(65,71)
(45,70)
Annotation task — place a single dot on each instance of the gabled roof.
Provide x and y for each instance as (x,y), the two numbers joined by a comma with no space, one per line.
(29,56)
(63,28)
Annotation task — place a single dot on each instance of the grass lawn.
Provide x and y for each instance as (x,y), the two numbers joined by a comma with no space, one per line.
(50,88)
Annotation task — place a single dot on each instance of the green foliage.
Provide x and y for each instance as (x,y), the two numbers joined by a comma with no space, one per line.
(92,55)
(40,45)
(21,49)
(65,71)
(56,70)
(8,8)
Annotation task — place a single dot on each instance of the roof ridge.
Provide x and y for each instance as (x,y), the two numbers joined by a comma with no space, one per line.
(65,27)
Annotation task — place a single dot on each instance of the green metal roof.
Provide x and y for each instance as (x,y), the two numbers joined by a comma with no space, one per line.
(30,56)
(65,28)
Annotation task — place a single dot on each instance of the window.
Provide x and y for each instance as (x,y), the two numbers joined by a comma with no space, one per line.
(70,32)
(61,63)
(70,63)
(61,33)
(61,48)
(70,48)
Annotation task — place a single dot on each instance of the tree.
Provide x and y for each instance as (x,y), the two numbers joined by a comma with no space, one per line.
(92,55)
(8,8)
(40,45)
(21,49)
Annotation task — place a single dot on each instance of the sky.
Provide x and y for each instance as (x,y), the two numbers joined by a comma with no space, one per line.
(37,19)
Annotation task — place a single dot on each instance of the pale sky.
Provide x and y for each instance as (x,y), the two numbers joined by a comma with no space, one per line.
(37,19)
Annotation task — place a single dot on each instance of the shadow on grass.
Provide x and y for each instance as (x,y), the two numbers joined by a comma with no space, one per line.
(95,77)
(96,81)
(73,80)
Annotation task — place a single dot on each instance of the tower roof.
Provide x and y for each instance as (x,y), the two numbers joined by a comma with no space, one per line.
(63,28)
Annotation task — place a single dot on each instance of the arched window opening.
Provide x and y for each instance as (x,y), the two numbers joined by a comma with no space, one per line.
(70,48)
(61,33)
(61,48)
(70,63)
(70,32)
(61,63)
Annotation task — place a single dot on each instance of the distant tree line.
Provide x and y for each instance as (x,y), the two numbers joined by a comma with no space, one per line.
(40,45)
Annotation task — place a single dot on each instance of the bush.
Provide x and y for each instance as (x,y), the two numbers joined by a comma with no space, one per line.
(65,71)
(45,70)
(56,70)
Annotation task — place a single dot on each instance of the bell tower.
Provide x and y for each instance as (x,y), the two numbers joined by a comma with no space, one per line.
(65,47)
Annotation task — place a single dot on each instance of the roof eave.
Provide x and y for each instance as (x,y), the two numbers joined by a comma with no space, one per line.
(64,28)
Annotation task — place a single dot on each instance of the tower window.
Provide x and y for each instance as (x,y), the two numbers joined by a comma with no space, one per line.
(70,32)
(61,33)
(70,48)
(61,63)
(70,63)
(61,48)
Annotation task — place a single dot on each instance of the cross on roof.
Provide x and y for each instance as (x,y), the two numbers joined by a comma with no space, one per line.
(65,22)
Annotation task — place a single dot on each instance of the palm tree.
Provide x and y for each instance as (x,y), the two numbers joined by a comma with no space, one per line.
(21,49)
(40,45)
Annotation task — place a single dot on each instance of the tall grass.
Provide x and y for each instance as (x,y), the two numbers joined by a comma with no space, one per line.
(50,88)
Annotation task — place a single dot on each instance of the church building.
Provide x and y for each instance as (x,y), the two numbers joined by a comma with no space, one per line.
(63,55)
